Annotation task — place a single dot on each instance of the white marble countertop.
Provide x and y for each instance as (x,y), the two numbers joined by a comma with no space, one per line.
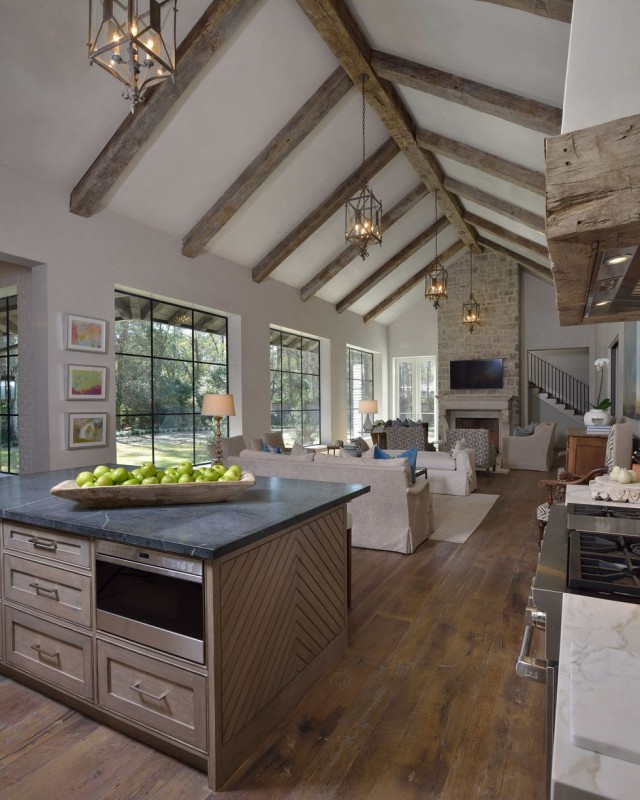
(580,774)
(582,494)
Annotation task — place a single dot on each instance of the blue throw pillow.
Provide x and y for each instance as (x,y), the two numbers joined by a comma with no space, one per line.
(275,449)
(411,456)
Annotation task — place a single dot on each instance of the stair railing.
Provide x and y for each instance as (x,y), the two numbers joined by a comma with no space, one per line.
(559,385)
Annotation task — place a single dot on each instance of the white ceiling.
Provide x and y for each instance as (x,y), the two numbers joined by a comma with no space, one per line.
(58,113)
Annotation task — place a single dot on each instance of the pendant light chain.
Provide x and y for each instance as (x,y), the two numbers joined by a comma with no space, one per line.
(363,117)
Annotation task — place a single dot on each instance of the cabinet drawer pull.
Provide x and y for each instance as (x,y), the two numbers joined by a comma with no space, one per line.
(40,590)
(43,544)
(158,697)
(45,653)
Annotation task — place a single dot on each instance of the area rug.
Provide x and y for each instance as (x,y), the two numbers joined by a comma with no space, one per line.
(456,518)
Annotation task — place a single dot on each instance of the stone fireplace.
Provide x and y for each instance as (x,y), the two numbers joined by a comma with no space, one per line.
(495,413)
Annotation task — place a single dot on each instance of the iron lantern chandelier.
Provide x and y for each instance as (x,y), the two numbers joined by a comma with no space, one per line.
(435,288)
(363,213)
(135,41)
(471,309)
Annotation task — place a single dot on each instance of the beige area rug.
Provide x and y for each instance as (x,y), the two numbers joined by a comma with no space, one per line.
(456,518)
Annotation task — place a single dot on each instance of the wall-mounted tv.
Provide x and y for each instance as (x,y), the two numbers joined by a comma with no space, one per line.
(485,373)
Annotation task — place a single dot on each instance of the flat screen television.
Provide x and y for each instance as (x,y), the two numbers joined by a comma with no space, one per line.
(485,373)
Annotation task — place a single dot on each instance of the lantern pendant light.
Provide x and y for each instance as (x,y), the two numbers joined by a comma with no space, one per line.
(471,309)
(435,288)
(135,41)
(363,213)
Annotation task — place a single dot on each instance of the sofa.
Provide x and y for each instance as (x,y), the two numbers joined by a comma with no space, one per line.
(447,474)
(395,515)
(533,452)
(478,440)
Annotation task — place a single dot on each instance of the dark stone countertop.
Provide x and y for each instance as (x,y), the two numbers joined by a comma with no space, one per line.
(205,530)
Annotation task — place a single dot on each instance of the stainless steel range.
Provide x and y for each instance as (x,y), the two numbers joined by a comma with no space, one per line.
(589,549)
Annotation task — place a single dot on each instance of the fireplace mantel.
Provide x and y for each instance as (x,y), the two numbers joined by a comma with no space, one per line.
(492,406)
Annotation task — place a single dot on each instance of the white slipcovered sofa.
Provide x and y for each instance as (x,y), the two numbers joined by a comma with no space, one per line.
(395,515)
(447,474)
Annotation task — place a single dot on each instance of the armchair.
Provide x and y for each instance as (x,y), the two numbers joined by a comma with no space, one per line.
(533,452)
(401,437)
(478,440)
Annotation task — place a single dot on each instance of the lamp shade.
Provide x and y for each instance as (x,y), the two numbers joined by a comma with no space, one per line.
(218,405)
(368,406)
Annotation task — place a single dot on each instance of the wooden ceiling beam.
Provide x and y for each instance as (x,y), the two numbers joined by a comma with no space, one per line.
(336,25)
(503,233)
(349,253)
(504,207)
(392,264)
(383,305)
(327,207)
(526,263)
(485,162)
(553,9)
(478,96)
(267,161)
(221,19)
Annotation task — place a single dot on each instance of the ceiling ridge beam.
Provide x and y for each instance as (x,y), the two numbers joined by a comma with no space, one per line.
(211,31)
(336,25)
(447,255)
(528,218)
(336,266)
(504,233)
(527,263)
(498,103)
(485,162)
(392,264)
(552,9)
(310,224)
(292,133)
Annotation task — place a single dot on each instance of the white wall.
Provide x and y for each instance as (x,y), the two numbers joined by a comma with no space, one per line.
(603,67)
(86,258)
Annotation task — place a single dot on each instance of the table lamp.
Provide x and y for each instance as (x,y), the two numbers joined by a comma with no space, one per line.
(368,407)
(217,406)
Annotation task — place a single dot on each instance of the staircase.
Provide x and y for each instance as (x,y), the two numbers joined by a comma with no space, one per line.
(557,388)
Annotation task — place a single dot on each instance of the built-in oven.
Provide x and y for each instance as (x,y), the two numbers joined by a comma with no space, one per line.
(152,598)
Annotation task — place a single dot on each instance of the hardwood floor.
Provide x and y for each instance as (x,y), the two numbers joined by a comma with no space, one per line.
(424,704)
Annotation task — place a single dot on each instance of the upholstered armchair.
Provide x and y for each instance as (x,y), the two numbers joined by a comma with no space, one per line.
(533,452)
(275,439)
(231,448)
(478,440)
(403,437)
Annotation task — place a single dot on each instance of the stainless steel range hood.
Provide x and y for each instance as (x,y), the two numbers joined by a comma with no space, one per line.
(593,221)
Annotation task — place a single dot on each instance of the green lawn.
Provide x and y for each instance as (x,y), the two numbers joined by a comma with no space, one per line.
(170,448)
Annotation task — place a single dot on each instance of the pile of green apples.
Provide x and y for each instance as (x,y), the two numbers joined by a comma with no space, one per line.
(149,474)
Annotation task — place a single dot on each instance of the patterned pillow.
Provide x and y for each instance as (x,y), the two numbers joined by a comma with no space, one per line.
(369,454)
(350,453)
(360,444)
(298,450)
(527,430)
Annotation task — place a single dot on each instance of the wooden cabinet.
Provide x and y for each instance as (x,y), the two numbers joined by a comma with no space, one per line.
(585,451)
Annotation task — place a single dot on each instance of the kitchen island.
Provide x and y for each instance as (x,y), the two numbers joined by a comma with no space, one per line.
(274,612)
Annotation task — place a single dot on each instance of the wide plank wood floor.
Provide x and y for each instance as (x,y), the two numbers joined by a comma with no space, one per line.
(424,704)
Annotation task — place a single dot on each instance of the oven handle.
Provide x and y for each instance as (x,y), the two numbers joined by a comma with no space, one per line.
(533,669)
(122,562)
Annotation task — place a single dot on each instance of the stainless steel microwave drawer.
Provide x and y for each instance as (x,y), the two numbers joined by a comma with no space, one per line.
(54,545)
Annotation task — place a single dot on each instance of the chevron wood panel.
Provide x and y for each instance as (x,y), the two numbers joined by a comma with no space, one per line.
(281,603)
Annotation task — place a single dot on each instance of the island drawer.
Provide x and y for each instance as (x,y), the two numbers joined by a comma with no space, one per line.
(48,651)
(48,588)
(54,545)
(161,696)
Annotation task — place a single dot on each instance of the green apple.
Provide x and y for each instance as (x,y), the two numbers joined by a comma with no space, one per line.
(88,485)
(148,470)
(132,482)
(210,475)
(186,477)
(119,475)
(168,479)
(150,480)
(227,478)
(219,468)
(184,469)
(201,479)
(84,477)
(101,469)
(160,474)
(137,473)
(104,480)
(235,471)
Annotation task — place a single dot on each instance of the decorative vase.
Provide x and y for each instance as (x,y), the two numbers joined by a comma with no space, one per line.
(597,417)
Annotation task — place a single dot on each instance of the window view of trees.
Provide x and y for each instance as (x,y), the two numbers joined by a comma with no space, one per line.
(359,387)
(295,387)
(415,385)
(167,357)
(9,450)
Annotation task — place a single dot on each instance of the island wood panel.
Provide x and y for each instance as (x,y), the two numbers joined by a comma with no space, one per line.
(280,621)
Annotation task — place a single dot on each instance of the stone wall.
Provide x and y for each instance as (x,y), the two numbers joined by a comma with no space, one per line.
(496,287)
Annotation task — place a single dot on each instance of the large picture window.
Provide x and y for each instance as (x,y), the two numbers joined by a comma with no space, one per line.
(415,391)
(295,387)
(167,357)
(359,387)
(9,451)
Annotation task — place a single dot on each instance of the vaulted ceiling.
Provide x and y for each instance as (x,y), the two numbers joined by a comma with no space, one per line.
(253,152)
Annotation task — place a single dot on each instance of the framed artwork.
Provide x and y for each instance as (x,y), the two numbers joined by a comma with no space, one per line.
(84,333)
(87,430)
(86,383)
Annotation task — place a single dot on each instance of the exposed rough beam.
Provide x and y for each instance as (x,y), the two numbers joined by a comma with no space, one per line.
(215,26)
(526,263)
(448,254)
(335,23)
(504,207)
(472,157)
(506,105)
(553,9)
(267,161)
(392,264)
(503,233)
(327,207)
(349,253)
